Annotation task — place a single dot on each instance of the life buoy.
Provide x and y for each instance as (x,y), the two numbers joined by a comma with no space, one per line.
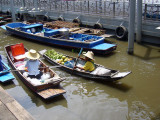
(46,18)
(18,16)
(22,17)
(98,26)
(61,19)
(121,32)
(76,20)
(8,13)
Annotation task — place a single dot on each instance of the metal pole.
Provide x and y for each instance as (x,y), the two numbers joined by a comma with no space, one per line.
(132,4)
(13,11)
(23,4)
(145,11)
(114,9)
(100,6)
(139,21)
(35,3)
(1,7)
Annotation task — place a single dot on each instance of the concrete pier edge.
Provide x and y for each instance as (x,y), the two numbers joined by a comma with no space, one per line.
(10,109)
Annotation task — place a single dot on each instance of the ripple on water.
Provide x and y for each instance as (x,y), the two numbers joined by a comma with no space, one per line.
(92,103)
(140,111)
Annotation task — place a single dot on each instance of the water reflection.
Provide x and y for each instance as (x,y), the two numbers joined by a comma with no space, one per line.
(87,100)
(147,53)
(38,101)
(8,85)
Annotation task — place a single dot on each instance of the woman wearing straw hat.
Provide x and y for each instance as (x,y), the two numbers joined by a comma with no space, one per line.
(33,64)
(89,65)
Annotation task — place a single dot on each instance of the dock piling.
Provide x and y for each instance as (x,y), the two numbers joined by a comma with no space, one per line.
(139,21)
(132,4)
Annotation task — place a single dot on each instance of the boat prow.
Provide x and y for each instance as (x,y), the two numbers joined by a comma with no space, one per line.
(3,27)
(5,75)
(120,74)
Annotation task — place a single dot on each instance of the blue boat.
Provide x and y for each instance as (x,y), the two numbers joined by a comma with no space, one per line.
(152,15)
(61,37)
(5,75)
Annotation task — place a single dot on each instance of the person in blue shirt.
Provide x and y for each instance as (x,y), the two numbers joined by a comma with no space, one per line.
(33,64)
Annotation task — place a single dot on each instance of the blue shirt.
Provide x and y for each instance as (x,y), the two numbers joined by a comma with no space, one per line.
(33,67)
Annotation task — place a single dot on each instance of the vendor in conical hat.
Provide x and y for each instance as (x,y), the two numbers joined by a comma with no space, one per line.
(33,64)
(89,65)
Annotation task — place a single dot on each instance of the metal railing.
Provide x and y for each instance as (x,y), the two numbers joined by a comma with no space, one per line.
(100,8)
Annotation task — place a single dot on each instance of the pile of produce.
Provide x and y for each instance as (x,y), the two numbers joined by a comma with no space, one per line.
(58,57)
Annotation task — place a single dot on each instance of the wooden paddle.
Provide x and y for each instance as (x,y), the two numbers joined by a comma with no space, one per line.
(24,70)
(51,66)
(77,58)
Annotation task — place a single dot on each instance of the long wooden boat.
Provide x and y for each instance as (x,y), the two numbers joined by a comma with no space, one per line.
(61,37)
(100,73)
(47,88)
(5,75)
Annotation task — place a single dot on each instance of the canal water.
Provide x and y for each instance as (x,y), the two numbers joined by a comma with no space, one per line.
(135,97)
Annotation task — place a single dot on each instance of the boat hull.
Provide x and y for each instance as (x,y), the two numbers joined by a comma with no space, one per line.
(110,78)
(99,46)
(39,90)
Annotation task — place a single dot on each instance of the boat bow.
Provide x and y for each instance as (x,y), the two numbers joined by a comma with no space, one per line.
(120,74)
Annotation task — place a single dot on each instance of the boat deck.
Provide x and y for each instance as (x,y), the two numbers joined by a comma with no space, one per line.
(50,92)
(10,109)
(104,46)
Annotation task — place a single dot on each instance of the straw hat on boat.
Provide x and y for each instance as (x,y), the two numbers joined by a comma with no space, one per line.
(89,54)
(32,54)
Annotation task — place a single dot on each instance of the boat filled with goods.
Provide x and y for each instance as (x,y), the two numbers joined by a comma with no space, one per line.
(68,63)
(47,86)
(61,37)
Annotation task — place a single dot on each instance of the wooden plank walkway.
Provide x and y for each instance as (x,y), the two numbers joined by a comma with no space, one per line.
(10,109)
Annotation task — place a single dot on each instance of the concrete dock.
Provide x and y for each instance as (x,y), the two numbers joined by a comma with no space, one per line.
(10,109)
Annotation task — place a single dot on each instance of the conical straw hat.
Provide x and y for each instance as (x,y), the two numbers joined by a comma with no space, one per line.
(32,54)
(89,54)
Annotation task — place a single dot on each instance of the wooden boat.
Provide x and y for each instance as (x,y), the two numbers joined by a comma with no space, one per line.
(97,74)
(5,75)
(47,88)
(61,37)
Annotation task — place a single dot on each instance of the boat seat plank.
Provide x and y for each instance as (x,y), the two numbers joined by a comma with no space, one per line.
(51,92)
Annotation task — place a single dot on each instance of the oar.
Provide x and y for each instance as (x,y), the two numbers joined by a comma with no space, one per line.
(77,58)
(24,70)
(51,66)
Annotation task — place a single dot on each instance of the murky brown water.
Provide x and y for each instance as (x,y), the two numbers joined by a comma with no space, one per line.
(135,97)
